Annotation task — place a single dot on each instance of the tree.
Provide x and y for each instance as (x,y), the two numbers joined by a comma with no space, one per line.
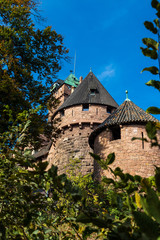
(152,50)
(29,59)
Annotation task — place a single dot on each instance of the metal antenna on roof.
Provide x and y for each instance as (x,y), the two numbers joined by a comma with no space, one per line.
(75,63)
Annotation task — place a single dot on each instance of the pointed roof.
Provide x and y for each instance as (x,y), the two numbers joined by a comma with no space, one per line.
(126,113)
(89,91)
(72,80)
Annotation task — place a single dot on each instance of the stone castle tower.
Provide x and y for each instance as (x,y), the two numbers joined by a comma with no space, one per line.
(115,135)
(91,121)
(86,107)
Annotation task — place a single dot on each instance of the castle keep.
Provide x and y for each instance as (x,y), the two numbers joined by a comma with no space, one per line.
(91,121)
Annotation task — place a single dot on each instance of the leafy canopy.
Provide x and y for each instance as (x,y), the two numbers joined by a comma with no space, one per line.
(29,58)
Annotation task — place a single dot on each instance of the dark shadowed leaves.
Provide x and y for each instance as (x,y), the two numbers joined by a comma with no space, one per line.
(154,83)
(150,43)
(150,26)
(153,70)
(153,110)
(149,53)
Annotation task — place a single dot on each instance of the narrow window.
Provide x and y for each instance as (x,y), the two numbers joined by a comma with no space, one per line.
(109,109)
(72,112)
(96,111)
(85,107)
(116,133)
(142,141)
(62,113)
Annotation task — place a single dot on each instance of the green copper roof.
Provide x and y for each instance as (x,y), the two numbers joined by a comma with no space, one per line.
(72,80)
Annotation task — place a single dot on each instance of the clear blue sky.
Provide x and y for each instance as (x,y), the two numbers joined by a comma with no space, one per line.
(106,36)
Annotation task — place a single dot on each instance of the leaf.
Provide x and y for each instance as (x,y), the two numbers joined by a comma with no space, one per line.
(119,172)
(150,43)
(138,178)
(146,224)
(150,26)
(110,158)
(154,83)
(42,165)
(137,138)
(83,218)
(35,232)
(156,21)
(107,180)
(99,222)
(153,110)
(138,200)
(153,70)
(151,130)
(154,3)
(151,204)
(157,178)
(149,53)
(95,156)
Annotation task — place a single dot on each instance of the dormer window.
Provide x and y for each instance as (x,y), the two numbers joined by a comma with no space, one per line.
(85,107)
(93,91)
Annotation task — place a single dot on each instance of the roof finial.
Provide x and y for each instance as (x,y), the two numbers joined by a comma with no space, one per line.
(126,94)
(90,69)
(127,99)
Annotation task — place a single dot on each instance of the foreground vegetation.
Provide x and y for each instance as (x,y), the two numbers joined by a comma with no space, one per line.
(39,204)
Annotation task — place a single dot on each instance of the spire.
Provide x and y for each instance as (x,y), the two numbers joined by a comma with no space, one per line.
(90,69)
(127,99)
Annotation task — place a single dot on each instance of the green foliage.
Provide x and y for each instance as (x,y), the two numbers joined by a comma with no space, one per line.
(154,83)
(150,43)
(29,59)
(153,110)
(152,51)
(37,203)
(150,26)
(149,53)
(153,70)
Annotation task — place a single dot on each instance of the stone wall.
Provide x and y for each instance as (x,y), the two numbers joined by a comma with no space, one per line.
(134,157)
(75,114)
(76,125)
(61,95)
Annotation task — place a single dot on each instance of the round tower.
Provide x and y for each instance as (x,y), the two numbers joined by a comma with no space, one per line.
(87,106)
(115,135)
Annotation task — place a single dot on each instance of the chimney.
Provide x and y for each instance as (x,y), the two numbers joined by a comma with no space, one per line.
(72,89)
(80,79)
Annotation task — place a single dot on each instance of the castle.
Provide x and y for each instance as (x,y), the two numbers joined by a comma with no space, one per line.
(92,121)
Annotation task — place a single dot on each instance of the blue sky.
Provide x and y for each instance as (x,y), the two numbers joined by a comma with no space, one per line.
(106,36)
